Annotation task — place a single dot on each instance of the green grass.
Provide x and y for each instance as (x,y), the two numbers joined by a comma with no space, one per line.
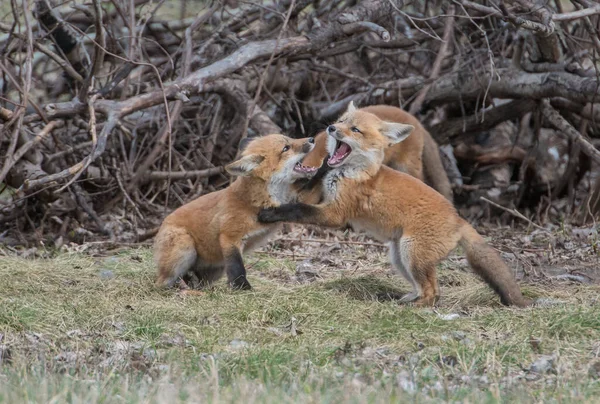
(76,328)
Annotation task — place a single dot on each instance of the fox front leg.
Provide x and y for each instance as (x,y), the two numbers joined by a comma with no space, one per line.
(236,272)
(302,213)
(234,264)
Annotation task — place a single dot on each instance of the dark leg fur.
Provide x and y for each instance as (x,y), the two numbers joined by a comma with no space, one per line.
(292,212)
(236,272)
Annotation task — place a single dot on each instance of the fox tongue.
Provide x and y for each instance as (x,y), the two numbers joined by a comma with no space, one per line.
(340,153)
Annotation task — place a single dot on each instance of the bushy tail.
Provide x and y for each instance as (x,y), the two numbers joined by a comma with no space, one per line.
(487,263)
(435,174)
(174,254)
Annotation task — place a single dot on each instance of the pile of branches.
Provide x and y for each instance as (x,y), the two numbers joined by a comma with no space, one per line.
(115,112)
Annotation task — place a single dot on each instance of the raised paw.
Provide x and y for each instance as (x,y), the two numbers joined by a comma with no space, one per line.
(241,283)
(268,215)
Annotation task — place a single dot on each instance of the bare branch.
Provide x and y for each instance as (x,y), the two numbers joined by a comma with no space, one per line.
(574,15)
(565,127)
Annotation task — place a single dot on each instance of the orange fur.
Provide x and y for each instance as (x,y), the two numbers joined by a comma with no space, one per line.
(206,237)
(420,225)
(417,155)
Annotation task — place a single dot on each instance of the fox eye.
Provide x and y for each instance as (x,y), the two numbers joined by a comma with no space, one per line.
(285,148)
(355,129)
(311,140)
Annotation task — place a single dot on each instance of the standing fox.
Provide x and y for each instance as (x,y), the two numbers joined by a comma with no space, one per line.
(419,224)
(208,235)
(418,155)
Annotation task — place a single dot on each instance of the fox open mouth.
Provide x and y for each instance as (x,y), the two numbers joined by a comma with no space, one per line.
(306,170)
(342,150)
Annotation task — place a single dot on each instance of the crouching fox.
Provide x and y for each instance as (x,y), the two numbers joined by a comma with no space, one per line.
(208,236)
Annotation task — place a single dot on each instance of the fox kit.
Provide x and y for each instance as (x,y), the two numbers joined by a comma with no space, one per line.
(419,224)
(418,155)
(207,236)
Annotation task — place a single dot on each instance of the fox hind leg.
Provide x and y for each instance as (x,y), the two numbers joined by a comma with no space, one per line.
(175,255)
(401,264)
(420,273)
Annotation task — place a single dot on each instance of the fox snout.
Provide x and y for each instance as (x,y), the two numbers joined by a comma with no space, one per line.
(308,146)
(334,132)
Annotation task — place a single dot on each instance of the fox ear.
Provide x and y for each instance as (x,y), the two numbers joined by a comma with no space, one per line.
(245,142)
(351,107)
(244,166)
(396,132)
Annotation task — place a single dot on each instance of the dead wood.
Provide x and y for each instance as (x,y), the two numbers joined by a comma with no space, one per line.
(121,114)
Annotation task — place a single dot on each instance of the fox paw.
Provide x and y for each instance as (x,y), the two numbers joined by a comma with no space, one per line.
(268,215)
(241,283)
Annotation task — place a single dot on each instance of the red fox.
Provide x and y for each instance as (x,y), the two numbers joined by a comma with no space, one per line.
(420,225)
(417,155)
(207,236)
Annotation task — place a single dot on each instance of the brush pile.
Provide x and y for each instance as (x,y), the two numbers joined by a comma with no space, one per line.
(113,112)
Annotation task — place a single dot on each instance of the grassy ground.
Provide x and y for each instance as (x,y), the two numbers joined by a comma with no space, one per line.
(89,327)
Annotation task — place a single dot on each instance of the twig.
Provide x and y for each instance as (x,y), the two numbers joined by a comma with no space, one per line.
(111,122)
(325,241)
(126,194)
(437,64)
(100,42)
(182,175)
(27,146)
(93,133)
(254,103)
(573,15)
(66,66)
(513,212)
(565,127)
(363,26)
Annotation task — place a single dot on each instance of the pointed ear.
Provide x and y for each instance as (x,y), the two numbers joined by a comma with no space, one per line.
(396,132)
(351,107)
(245,142)
(244,166)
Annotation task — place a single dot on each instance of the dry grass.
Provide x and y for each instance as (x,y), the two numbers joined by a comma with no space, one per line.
(79,328)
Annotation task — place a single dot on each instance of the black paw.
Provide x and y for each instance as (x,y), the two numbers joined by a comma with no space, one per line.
(241,283)
(269,215)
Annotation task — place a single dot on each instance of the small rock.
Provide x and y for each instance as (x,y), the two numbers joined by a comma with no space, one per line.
(593,372)
(210,320)
(29,252)
(74,333)
(238,344)
(149,354)
(67,357)
(136,258)
(107,274)
(276,331)
(449,316)
(458,335)
(543,365)
(449,360)
(112,260)
(547,301)
(405,382)
(119,326)
(359,380)
(535,344)
(306,272)
(5,354)
(176,340)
